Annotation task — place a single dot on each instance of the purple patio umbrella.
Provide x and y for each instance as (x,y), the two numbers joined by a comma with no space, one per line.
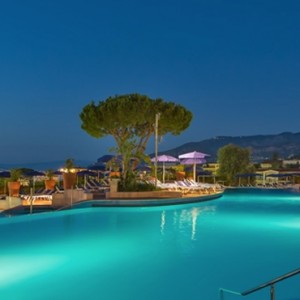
(194,162)
(33,174)
(57,172)
(165,159)
(4,174)
(193,158)
(85,174)
(194,154)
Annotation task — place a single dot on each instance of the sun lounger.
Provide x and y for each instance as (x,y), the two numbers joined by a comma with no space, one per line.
(96,187)
(188,187)
(205,187)
(58,189)
(163,186)
(43,195)
(98,184)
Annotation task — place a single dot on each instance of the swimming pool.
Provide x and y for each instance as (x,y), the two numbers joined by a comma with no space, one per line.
(169,252)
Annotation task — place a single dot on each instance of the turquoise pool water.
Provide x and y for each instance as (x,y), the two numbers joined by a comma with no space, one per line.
(173,252)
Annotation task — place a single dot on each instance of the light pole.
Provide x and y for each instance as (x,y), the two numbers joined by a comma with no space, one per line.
(157,116)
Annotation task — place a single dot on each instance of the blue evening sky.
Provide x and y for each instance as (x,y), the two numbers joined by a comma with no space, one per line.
(234,63)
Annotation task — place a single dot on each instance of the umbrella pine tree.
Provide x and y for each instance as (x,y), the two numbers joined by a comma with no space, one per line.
(130,119)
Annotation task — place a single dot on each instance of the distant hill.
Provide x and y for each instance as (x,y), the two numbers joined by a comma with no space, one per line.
(43,166)
(262,147)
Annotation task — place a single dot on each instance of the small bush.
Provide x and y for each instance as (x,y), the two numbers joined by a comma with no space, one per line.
(132,184)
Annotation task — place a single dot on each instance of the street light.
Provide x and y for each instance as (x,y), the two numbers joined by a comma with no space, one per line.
(157,116)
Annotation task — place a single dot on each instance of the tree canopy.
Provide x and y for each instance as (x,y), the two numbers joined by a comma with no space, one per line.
(232,160)
(130,120)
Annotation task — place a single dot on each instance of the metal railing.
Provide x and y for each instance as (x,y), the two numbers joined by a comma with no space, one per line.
(270,283)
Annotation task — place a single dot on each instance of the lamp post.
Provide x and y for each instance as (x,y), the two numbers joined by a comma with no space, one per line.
(157,116)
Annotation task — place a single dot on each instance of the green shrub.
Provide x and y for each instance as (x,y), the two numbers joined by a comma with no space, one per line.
(132,184)
(15,174)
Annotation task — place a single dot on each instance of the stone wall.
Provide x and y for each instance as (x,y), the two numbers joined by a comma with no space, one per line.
(69,197)
(9,202)
(143,195)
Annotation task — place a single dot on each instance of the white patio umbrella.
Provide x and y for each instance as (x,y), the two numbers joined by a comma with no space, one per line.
(165,159)
(193,158)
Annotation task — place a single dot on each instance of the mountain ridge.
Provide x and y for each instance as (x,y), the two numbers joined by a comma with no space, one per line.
(262,146)
(44,165)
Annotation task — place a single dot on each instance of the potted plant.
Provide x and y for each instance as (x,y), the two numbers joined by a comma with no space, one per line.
(50,182)
(14,183)
(69,175)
